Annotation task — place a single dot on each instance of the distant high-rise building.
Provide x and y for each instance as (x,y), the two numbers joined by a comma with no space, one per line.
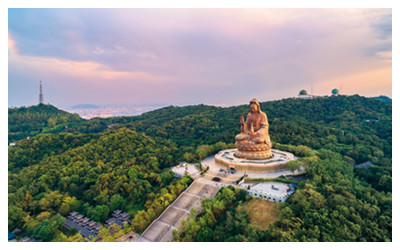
(41,99)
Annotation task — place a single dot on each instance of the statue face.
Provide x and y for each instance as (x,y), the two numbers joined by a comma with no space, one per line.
(253,107)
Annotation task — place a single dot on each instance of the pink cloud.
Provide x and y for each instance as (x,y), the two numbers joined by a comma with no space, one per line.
(363,83)
(85,70)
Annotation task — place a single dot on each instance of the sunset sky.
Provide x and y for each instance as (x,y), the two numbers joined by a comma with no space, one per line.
(192,56)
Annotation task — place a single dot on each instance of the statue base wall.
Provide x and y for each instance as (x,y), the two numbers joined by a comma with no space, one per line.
(253,151)
(227,158)
(254,155)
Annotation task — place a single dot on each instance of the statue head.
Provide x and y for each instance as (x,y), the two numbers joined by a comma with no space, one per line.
(254,106)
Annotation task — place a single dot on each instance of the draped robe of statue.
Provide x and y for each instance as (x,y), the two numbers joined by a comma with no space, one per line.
(254,142)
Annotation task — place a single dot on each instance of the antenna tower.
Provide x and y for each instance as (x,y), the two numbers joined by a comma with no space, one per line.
(312,91)
(41,100)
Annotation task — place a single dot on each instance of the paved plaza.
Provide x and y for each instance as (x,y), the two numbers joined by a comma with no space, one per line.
(228,159)
(215,169)
(189,168)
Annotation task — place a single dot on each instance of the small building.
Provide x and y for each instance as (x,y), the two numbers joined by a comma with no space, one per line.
(366,164)
(74,213)
(119,218)
(272,191)
(28,239)
(86,227)
(182,164)
(373,120)
(112,125)
(303,94)
(292,187)
(177,175)
(13,143)
(11,236)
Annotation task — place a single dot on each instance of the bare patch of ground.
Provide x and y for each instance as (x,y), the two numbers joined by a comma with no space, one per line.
(261,212)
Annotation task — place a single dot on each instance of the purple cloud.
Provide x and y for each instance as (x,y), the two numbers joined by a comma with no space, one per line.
(194,55)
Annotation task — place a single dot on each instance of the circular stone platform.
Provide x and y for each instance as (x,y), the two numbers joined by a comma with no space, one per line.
(277,163)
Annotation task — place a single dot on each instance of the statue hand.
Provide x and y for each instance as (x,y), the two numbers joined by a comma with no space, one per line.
(242,120)
(255,134)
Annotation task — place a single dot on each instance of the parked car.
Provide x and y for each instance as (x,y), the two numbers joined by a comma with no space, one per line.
(217,179)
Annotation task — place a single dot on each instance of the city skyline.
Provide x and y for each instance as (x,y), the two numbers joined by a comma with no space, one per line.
(192,56)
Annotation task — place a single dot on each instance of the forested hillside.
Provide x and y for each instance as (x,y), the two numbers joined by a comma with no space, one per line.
(118,170)
(30,121)
(334,205)
(336,123)
(89,166)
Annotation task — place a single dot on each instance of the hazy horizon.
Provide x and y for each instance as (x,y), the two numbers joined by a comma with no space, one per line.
(216,57)
(161,105)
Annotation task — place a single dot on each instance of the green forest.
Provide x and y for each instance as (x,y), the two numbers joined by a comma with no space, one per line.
(62,163)
(334,205)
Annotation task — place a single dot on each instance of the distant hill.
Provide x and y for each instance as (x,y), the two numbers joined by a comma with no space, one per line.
(85,106)
(317,123)
(42,118)
(383,98)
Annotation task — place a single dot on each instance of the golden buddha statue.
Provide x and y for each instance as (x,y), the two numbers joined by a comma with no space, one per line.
(253,142)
